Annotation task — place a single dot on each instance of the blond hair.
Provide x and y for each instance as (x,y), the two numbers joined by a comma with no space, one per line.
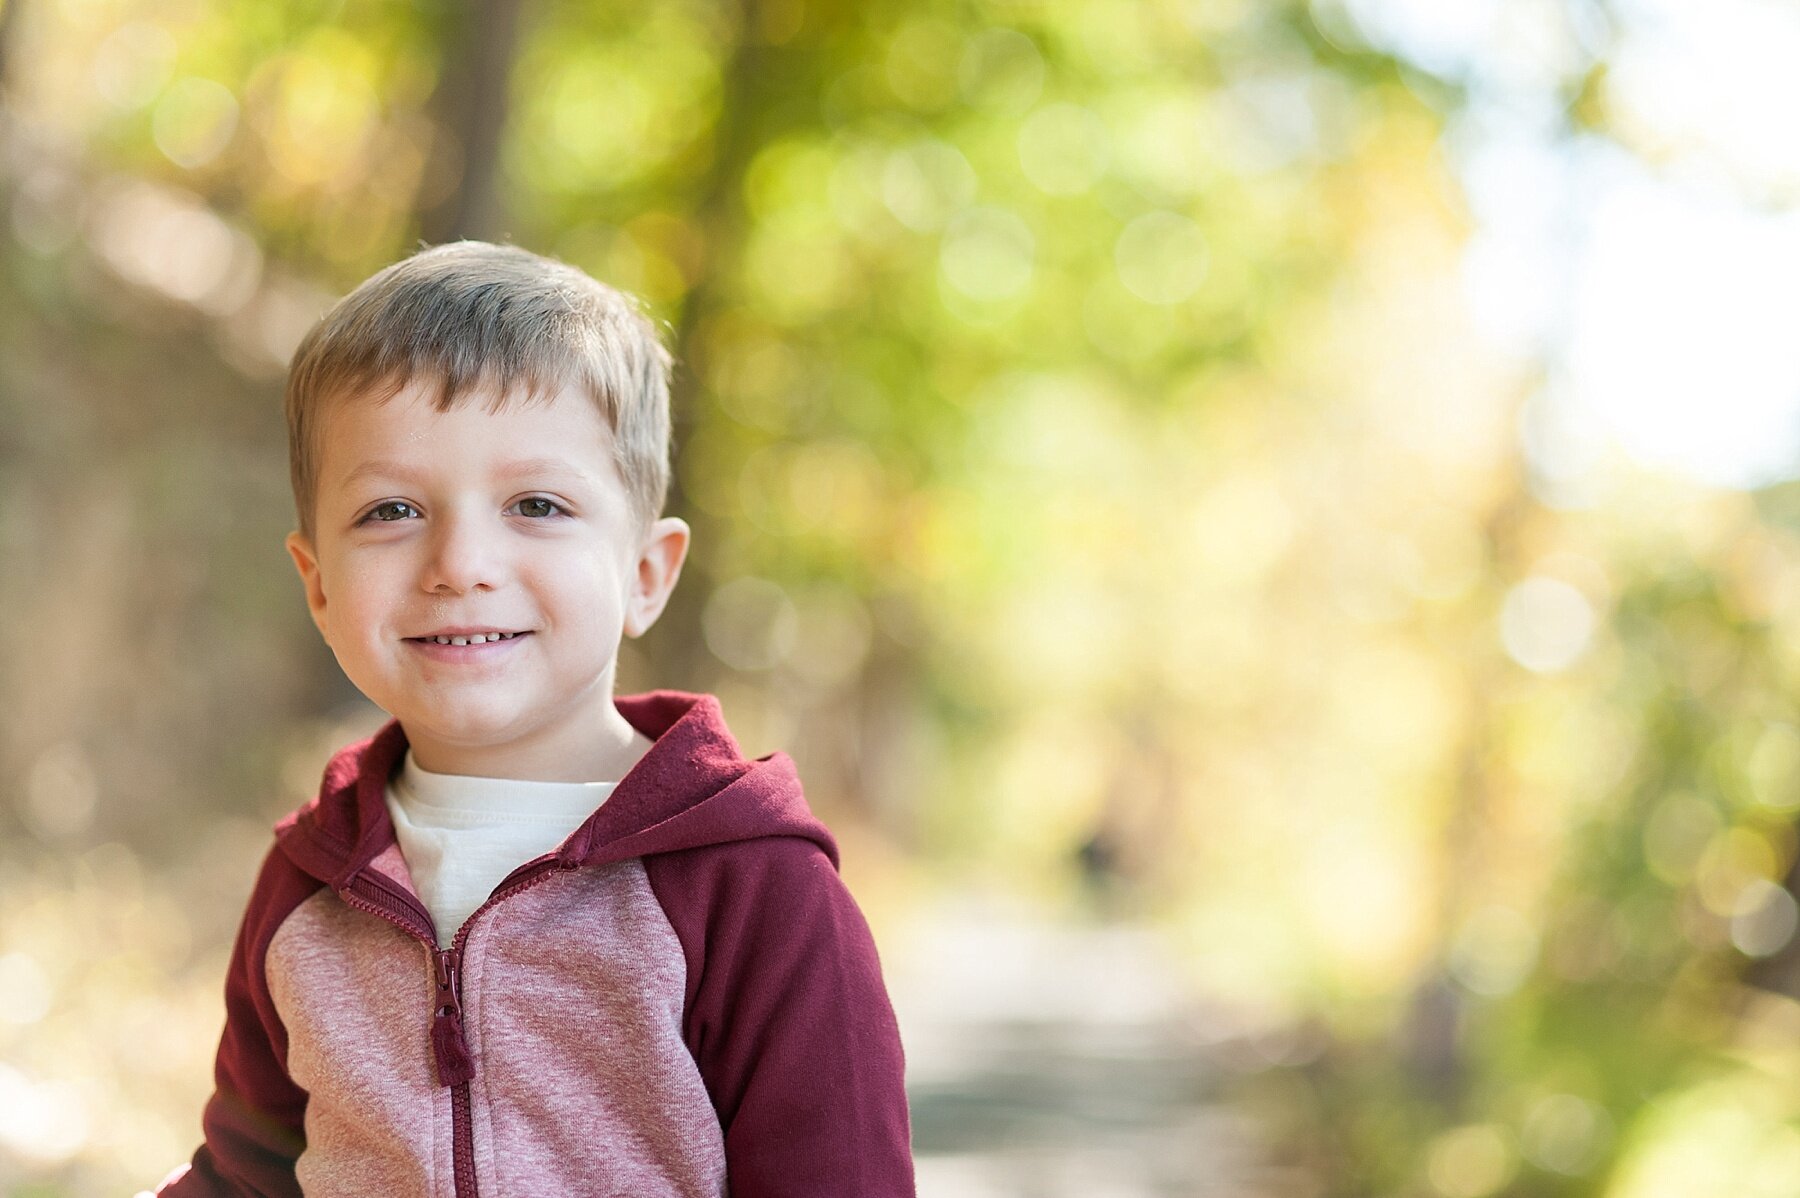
(489,320)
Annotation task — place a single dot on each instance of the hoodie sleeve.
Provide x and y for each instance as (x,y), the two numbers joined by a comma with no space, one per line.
(253,1122)
(789,1021)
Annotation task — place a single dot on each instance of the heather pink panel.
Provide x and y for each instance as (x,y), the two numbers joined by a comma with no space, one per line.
(355,994)
(391,865)
(573,992)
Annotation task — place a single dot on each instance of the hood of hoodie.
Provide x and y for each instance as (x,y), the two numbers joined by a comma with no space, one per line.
(692,788)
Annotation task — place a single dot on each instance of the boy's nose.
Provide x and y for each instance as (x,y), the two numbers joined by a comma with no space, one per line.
(464,557)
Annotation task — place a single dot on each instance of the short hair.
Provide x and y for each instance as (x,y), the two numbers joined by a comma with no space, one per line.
(492,320)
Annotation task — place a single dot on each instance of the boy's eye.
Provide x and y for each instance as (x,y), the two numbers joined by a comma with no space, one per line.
(393,509)
(537,507)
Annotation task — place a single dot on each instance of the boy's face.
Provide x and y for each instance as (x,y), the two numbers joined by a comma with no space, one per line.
(435,525)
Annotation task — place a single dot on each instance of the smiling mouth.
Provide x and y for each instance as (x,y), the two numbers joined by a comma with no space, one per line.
(476,638)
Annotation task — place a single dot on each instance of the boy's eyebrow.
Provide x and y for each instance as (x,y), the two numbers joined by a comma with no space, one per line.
(542,466)
(382,468)
(376,467)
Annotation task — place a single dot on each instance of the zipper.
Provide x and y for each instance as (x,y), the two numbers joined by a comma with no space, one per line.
(449,1043)
(374,894)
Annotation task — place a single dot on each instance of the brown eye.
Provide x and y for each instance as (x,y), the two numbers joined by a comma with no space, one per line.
(394,509)
(537,507)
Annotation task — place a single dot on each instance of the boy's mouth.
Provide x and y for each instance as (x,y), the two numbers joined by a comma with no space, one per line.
(465,636)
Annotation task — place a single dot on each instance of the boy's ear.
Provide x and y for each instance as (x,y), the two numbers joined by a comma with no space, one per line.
(658,566)
(306,560)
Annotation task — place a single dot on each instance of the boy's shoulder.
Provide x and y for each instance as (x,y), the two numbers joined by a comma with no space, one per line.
(774,877)
(761,912)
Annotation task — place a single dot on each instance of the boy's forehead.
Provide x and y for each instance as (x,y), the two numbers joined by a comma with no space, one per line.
(387,431)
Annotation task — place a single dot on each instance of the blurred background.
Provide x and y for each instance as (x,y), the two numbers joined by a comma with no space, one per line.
(1268,526)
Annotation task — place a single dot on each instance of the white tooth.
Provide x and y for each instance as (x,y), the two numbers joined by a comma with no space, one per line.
(442,640)
(484,638)
(459,640)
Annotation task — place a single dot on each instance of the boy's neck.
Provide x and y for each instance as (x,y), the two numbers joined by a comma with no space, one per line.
(604,754)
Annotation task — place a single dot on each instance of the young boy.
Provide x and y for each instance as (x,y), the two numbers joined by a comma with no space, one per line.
(530,939)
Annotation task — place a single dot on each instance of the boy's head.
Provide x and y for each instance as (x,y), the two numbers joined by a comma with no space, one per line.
(493,323)
(479,443)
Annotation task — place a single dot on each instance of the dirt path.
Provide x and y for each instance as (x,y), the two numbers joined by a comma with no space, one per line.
(1046,1060)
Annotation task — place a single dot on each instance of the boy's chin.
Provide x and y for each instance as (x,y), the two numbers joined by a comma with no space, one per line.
(469,731)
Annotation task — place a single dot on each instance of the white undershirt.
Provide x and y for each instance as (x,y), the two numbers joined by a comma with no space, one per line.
(461,835)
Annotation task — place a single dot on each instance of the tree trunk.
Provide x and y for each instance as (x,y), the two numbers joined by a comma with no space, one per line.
(460,196)
(751,78)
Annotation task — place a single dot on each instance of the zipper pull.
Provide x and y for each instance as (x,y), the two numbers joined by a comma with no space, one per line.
(449,1045)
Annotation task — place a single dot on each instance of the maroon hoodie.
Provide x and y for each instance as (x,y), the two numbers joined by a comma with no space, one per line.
(682,999)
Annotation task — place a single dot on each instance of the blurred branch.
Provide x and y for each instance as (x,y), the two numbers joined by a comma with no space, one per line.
(9,34)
